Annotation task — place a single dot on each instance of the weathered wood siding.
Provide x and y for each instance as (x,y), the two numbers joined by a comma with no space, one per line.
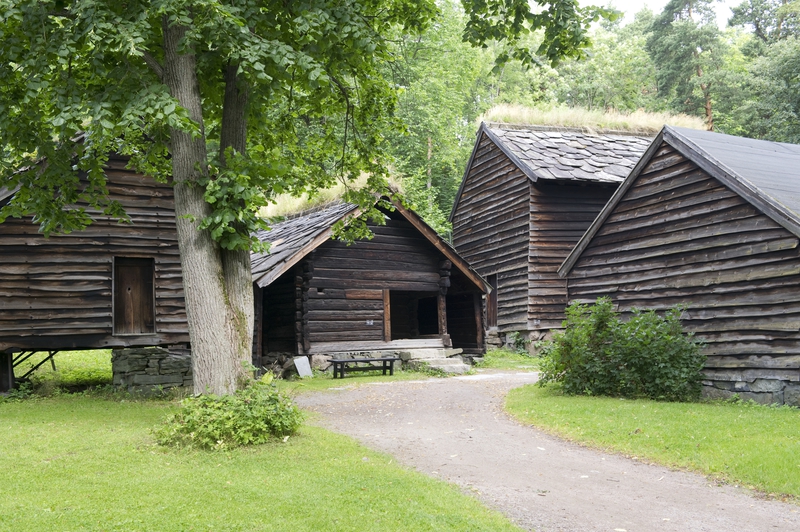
(56,293)
(680,237)
(345,291)
(491,229)
(560,214)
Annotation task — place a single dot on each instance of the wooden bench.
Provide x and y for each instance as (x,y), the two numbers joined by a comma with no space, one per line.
(340,365)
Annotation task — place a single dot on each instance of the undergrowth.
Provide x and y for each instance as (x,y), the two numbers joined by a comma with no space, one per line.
(647,356)
(250,416)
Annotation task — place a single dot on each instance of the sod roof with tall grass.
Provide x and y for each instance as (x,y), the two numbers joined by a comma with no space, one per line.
(589,121)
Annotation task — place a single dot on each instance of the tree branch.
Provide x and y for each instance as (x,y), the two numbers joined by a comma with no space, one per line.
(153,63)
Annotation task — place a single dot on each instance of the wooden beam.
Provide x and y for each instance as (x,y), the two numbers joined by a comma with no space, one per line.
(387,317)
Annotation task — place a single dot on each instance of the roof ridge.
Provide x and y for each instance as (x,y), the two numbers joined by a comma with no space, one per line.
(586,130)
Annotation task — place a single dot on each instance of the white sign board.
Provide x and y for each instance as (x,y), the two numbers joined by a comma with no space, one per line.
(302,366)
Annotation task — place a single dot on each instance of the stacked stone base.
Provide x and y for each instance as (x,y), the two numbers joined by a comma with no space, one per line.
(493,339)
(151,370)
(754,385)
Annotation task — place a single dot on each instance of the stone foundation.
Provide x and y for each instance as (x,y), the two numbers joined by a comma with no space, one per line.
(493,339)
(749,385)
(151,369)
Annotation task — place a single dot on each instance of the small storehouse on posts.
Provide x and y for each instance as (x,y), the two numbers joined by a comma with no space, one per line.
(406,292)
(527,196)
(112,285)
(712,222)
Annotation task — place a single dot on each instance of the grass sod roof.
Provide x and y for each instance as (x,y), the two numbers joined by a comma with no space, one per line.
(764,173)
(593,122)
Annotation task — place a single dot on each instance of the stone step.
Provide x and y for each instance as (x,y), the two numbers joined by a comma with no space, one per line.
(428,354)
(446,365)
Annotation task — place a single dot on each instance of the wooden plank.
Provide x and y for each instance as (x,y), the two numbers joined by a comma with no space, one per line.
(364,294)
(387,317)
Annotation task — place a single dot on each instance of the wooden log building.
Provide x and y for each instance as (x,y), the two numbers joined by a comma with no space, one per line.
(111,285)
(404,289)
(709,221)
(527,196)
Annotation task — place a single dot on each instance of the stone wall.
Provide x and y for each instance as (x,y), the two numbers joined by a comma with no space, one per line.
(752,384)
(151,369)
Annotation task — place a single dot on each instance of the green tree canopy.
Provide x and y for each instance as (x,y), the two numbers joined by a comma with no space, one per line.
(232,101)
(685,46)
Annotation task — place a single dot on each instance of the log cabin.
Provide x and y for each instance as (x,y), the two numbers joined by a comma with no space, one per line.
(712,222)
(527,196)
(112,285)
(405,289)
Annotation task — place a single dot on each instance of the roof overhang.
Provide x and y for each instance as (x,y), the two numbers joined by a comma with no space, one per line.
(705,161)
(413,218)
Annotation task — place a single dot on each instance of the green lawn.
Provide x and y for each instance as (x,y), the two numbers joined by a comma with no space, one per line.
(746,444)
(506,359)
(78,462)
(74,370)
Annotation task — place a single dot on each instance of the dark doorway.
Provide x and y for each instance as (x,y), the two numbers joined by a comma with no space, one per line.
(134,309)
(278,314)
(463,320)
(414,314)
(491,302)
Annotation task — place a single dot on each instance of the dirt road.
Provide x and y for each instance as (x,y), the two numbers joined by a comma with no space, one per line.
(455,429)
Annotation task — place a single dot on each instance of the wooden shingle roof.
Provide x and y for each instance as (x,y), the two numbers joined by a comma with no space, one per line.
(569,155)
(295,238)
(764,173)
(562,154)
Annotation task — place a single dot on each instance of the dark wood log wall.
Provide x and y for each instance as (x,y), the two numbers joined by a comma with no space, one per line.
(680,237)
(56,293)
(560,214)
(491,229)
(345,294)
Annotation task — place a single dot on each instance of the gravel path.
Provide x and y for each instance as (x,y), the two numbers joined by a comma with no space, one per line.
(455,429)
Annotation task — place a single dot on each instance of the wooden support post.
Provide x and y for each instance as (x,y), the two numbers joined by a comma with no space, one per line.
(442,304)
(299,293)
(6,372)
(477,302)
(258,327)
(387,317)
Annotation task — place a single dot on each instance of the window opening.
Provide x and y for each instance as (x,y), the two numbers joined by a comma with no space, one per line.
(413,314)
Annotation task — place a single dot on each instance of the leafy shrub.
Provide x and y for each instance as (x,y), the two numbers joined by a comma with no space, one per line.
(647,356)
(248,417)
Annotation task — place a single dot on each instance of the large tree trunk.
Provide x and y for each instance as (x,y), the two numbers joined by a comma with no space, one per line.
(215,326)
(236,263)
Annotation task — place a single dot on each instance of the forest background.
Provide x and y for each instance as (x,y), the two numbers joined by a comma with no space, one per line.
(741,79)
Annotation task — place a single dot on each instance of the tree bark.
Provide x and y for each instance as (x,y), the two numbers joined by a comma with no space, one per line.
(236,263)
(213,324)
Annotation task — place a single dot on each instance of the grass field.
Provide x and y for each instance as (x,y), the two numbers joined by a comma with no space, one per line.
(506,359)
(74,370)
(746,444)
(79,462)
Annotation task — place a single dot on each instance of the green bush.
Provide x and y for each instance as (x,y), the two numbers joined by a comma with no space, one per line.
(248,417)
(647,356)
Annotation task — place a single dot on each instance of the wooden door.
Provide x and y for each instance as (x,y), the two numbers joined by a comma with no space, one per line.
(134,309)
